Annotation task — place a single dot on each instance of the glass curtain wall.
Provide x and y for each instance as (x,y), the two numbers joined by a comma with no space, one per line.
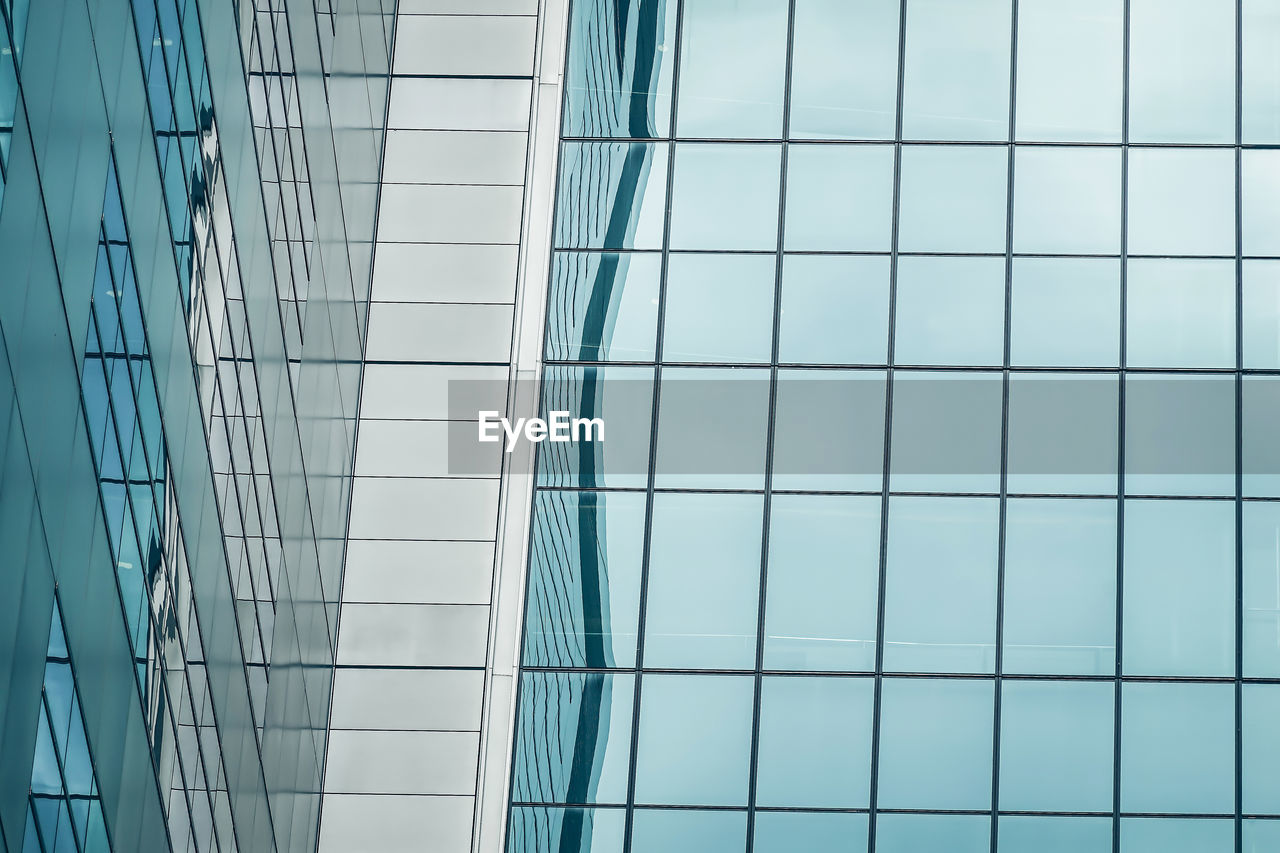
(1071,641)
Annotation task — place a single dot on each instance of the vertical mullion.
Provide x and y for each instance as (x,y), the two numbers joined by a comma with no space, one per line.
(1120,434)
(653,429)
(1239,432)
(878,690)
(998,685)
(753,769)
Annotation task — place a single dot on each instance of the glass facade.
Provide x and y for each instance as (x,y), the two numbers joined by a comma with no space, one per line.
(1041,229)
(188,195)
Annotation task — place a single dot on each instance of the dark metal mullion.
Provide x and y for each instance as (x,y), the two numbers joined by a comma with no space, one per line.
(1118,699)
(1239,433)
(878,687)
(997,684)
(771,435)
(646,548)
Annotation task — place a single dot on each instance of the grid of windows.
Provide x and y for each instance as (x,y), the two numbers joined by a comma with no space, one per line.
(1065,205)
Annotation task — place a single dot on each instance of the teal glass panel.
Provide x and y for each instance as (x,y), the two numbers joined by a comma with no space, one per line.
(1259,453)
(844,69)
(1181,201)
(1182,70)
(619,71)
(956,78)
(1026,834)
(719,308)
(829,430)
(549,830)
(1260,314)
(913,833)
(940,588)
(815,832)
(1070,70)
(935,744)
(619,395)
(704,581)
(1261,589)
(1260,216)
(732,68)
(839,198)
(1060,586)
(1063,433)
(1065,312)
(1179,587)
(719,446)
(694,744)
(1260,89)
(1188,425)
(1170,835)
(821,594)
(1177,747)
(573,738)
(1260,749)
(950,311)
(603,306)
(835,310)
(1260,836)
(815,742)
(612,195)
(584,579)
(725,196)
(1056,745)
(1066,200)
(1181,313)
(946,431)
(953,198)
(688,831)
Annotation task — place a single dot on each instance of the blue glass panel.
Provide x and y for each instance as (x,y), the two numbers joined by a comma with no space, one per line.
(535,830)
(1261,836)
(1260,749)
(603,306)
(835,310)
(688,831)
(1181,201)
(1261,546)
(725,196)
(1021,834)
(1260,90)
(1065,312)
(46,778)
(1181,313)
(1166,835)
(719,308)
(1177,749)
(611,195)
(813,832)
(839,198)
(1067,200)
(950,311)
(916,833)
(953,198)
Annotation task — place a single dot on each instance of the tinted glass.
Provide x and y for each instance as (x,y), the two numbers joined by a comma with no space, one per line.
(839,198)
(719,308)
(603,306)
(953,198)
(835,310)
(725,196)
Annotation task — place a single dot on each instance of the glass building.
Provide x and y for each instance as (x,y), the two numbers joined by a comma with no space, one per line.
(938,344)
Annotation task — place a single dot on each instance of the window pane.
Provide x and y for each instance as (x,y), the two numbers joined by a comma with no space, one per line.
(725,196)
(612,195)
(1261,314)
(839,197)
(935,744)
(584,579)
(1056,746)
(1060,587)
(1181,202)
(603,306)
(1065,312)
(817,832)
(1170,835)
(953,198)
(1063,433)
(1187,428)
(719,308)
(815,742)
(732,68)
(956,81)
(695,740)
(950,311)
(712,429)
(536,830)
(1178,748)
(1260,749)
(618,77)
(844,75)
(1067,201)
(685,831)
(574,738)
(1259,452)
(1261,836)
(1179,587)
(829,430)
(913,833)
(622,397)
(940,592)
(1260,217)
(1260,96)
(1181,313)
(835,310)
(1021,834)
(946,431)
(1261,546)
(1070,70)
(821,595)
(704,580)
(1182,70)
